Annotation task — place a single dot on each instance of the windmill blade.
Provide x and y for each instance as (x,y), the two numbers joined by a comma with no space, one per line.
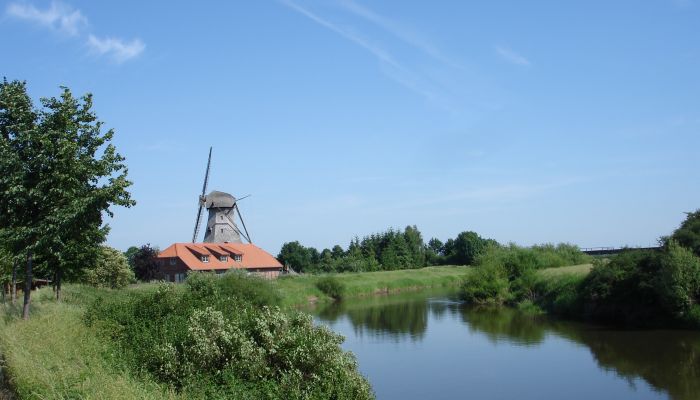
(202,199)
(196,224)
(247,236)
(234,226)
(206,175)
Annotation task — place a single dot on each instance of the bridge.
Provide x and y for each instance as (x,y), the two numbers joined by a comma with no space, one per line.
(608,251)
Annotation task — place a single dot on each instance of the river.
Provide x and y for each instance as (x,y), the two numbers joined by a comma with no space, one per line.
(429,345)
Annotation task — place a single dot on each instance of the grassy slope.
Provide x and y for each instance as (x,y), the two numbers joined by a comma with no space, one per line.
(298,290)
(578,270)
(55,356)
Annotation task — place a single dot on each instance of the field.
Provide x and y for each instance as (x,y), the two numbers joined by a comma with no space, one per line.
(300,290)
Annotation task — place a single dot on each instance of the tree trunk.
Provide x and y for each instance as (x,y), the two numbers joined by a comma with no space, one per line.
(58,284)
(27,286)
(13,288)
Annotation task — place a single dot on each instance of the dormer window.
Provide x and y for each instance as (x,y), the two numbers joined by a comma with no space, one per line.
(237,257)
(205,259)
(173,260)
(223,258)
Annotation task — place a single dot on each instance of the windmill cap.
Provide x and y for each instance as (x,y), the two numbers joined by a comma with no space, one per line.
(219,199)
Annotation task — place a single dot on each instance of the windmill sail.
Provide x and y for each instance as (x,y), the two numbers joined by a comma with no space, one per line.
(201,200)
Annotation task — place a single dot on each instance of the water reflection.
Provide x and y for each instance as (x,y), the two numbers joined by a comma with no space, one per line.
(397,318)
(669,361)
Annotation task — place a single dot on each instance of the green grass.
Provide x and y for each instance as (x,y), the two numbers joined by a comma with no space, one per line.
(300,290)
(54,355)
(578,270)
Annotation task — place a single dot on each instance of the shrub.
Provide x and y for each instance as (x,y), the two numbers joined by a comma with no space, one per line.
(679,279)
(211,338)
(331,286)
(111,270)
(624,290)
(486,285)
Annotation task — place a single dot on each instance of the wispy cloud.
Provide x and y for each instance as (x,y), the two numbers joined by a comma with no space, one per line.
(63,18)
(394,70)
(117,49)
(378,52)
(408,36)
(58,16)
(511,56)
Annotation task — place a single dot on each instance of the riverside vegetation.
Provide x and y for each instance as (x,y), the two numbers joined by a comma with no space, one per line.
(213,337)
(640,288)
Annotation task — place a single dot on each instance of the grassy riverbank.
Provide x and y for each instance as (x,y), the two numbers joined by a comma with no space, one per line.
(56,355)
(300,290)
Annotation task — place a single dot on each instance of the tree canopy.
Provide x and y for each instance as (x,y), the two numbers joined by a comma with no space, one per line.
(60,175)
(389,250)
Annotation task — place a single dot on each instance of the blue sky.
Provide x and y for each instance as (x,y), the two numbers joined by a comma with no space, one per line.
(532,122)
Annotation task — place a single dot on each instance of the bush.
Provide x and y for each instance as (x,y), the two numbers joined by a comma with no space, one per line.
(111,270)
(212,338)
(679,279)
(516,260)
(486,285)
(624,290)
(331,287)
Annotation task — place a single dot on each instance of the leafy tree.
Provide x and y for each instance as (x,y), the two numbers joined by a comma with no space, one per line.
(111,270)
(465,248)
(298,257)
(129,254)
(62,175)
(337,252)
(145,263)
(436,246)
(20,214)
(679,280)
(415,247)
(688,234)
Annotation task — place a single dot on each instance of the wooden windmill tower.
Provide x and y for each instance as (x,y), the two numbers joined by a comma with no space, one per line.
(223,209)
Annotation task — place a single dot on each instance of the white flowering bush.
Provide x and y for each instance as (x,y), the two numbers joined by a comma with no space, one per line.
(208,344)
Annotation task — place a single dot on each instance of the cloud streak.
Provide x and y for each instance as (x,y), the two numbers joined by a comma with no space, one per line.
(58,16)
(117,49)
(406,35)
(378,52)
(389,65)
(511,56)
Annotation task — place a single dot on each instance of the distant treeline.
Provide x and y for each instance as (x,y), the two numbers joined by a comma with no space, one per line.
(389,250)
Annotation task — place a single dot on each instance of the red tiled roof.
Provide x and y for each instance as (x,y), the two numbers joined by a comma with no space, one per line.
(252,256)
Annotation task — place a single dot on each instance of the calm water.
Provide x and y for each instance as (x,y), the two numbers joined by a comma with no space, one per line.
(431,346)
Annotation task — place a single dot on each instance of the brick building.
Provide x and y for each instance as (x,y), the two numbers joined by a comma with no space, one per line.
(180,258)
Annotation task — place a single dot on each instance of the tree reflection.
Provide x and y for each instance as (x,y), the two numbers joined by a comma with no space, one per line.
(668,360)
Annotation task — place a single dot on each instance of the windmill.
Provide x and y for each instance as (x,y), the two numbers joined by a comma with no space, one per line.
(222,208)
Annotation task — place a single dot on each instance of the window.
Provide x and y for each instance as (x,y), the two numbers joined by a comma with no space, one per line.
(180,276)
(223,258)
(222,230)
(205,259)
(237,257)
(167,278)
(173,260)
